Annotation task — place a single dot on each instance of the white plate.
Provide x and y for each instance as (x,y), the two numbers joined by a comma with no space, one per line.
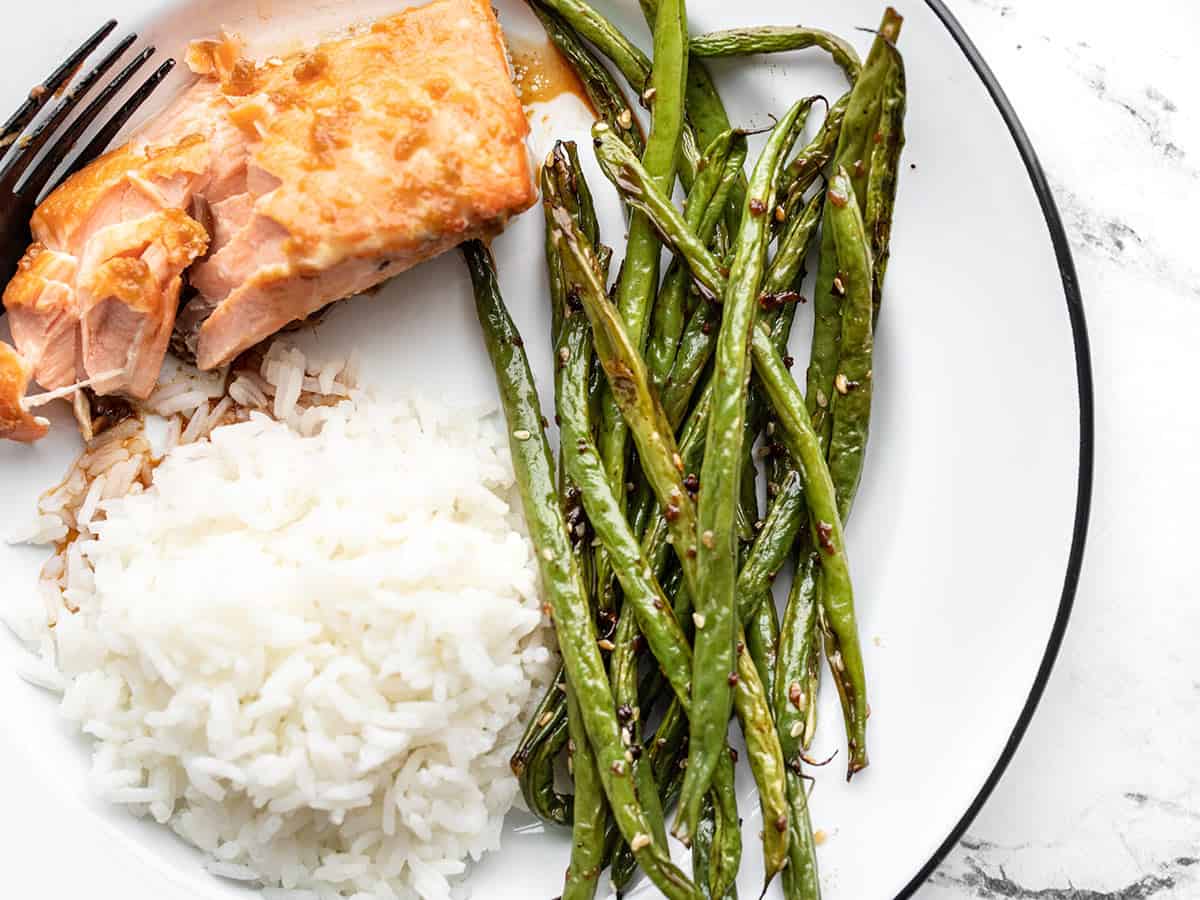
(966,539)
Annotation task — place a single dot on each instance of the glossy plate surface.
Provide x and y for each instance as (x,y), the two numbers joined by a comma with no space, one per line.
(967,534)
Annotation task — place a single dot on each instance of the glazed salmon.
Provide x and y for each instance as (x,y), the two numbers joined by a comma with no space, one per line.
(16,422)
(272,189)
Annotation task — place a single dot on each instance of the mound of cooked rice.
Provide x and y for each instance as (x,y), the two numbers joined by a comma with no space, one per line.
(308,641)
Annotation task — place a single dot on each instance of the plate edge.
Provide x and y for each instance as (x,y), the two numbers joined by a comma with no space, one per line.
(1083,373)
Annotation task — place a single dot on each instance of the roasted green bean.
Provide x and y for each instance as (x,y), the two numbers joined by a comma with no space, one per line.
(835,590)
(560,576)
(714,662)
(662,463)
(882,180)
(601,88)
(854,153)
(777,39)
(630,61)
(702,210)
(590,811)
(851,399)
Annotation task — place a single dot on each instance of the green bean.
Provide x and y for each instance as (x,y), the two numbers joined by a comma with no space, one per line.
(851,401)
(560,576)
(861,124)
(643,595)
(854,152)
(642,592)
(760,736)
(695,350)
(727,844)
(590,811)
(771,547)
(713,659)
(777,39)
(706,112)
(702,210)
(663,464)
(636,185)
(798,667)
(626,371)
(798,673)
(808,164)
(715,837)
(601,88)
(794,240)
(666,752)
(801,880)
(762,642)
(624,667)
(835,590)
(534,760)
(630,61)
(638,281)
(702,843)
(885,166)
(660,161)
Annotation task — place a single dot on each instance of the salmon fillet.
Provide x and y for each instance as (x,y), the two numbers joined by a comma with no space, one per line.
(16,422)
(273,189)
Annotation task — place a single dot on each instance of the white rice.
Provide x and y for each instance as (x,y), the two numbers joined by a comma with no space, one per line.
(310,644)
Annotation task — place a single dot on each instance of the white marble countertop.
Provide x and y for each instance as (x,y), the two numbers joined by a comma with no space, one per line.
(1102,801)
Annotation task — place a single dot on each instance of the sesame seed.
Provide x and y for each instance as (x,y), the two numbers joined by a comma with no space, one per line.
(564,354)
(699,619)
(625,119)
(797,729)
(708,539)
(546,719)
(639,842)
(548,554)
(606,644)
(780,214)
(840,382)
(649,94)
(522,435)
(796,695)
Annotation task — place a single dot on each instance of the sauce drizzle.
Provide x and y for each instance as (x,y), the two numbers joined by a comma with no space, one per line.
(543,74)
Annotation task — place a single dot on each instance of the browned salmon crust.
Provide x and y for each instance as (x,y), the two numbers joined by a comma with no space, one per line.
(275,189)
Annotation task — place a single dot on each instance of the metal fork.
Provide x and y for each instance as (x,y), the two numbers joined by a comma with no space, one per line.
(24,177)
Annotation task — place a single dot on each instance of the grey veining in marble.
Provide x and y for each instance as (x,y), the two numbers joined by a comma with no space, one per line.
(1102,801)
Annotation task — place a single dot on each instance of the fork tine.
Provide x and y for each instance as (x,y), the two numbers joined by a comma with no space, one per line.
(39,95)
(38,178)
(29,147)
(100,142)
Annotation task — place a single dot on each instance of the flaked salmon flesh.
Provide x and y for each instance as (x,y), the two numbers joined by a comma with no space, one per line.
(265,192)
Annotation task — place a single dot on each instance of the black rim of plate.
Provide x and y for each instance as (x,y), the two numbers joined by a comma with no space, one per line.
(1083,372)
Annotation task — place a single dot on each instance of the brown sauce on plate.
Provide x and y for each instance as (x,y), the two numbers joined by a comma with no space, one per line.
(542,74)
